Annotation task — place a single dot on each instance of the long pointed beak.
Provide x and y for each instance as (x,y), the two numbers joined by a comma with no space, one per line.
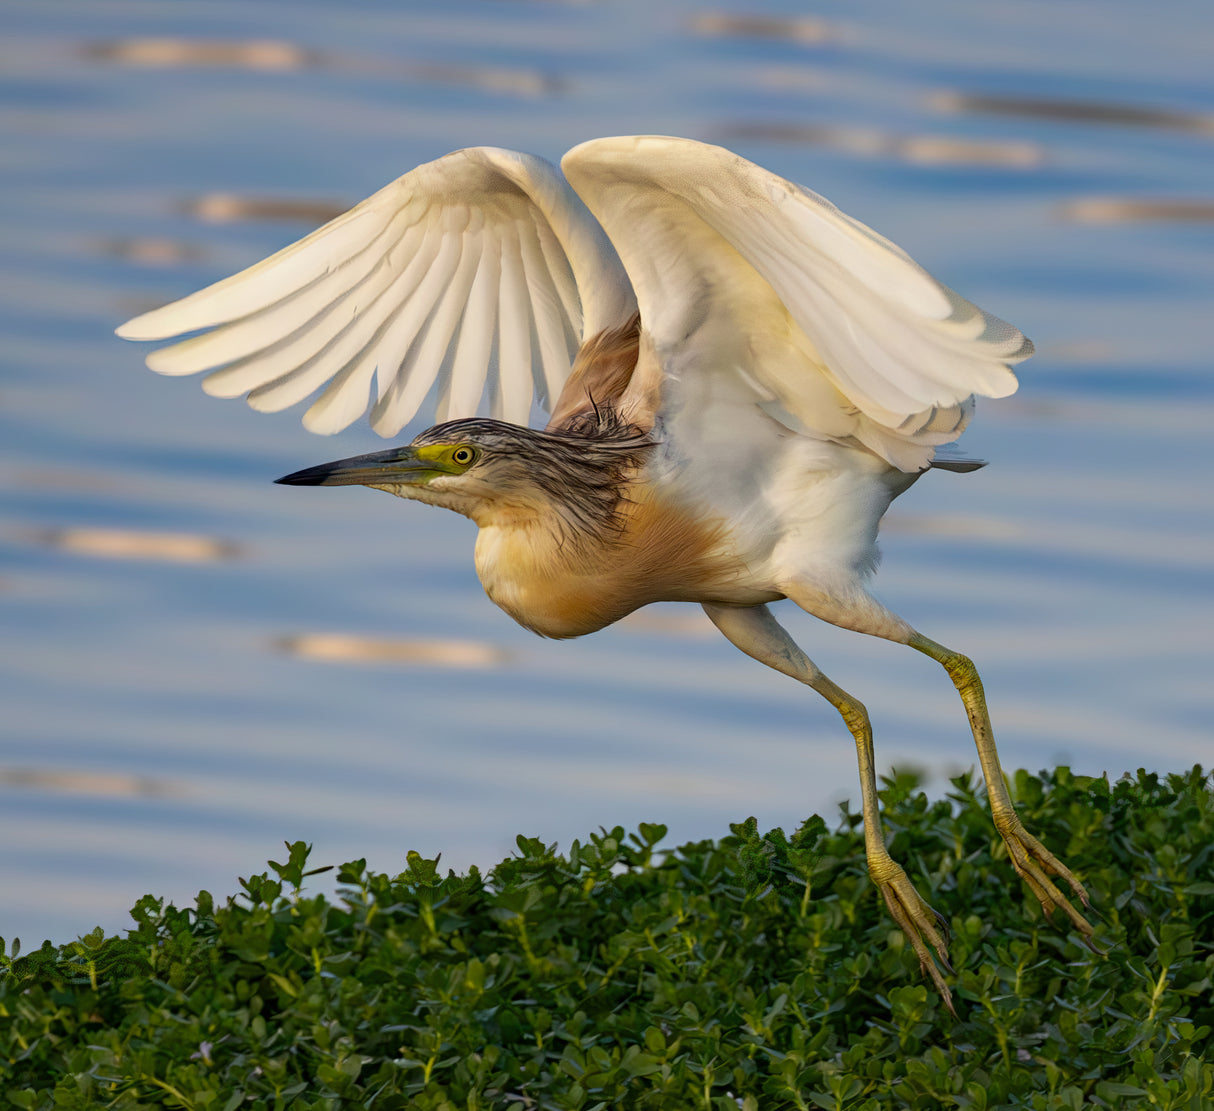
(396,466)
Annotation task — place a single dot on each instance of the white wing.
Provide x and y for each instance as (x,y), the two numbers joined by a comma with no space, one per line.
(833,329)
(481,268)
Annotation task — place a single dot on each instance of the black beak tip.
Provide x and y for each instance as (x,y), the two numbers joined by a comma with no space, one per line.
(361,470)
(310,476)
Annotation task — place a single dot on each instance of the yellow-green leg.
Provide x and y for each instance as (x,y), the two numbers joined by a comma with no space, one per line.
(759,635)
(1030,857)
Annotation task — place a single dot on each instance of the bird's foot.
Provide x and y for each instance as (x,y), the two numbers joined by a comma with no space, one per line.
(1036,864)
(922,925)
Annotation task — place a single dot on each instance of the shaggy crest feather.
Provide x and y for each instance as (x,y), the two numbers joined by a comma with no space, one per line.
(582,469)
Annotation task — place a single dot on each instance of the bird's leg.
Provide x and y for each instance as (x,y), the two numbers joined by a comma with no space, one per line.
(1030,857)
(758,634)
(1034,862)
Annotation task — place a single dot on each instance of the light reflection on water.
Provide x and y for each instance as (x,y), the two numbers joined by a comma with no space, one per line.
(156,736)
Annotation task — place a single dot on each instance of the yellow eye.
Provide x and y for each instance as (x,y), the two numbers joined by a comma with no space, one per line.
(463,456)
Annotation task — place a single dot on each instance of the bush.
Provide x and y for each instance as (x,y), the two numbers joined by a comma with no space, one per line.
(758,972)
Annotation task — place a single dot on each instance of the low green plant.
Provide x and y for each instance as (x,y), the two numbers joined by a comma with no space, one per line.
(758,972)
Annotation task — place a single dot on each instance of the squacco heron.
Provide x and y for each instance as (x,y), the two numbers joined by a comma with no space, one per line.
(740,378)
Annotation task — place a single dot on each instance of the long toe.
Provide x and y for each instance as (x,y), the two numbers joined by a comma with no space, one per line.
(1036,864)
(922,926)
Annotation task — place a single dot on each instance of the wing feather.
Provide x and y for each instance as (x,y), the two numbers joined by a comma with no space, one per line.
(482,252)
(343,331)
(360,341)
(425,360)
(272,279)
(827,324)
(253,332)
(512,399)
(550,340)
(485,271)
(557,265)
(475,346)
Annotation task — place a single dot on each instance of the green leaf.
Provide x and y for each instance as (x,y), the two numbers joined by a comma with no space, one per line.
(616,976)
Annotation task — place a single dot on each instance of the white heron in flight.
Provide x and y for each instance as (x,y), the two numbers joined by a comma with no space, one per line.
(740,378)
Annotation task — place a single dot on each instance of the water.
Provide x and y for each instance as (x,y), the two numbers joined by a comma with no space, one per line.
(155,734)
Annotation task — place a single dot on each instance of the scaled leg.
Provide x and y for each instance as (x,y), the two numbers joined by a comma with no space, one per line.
(758,634)
(1030,857)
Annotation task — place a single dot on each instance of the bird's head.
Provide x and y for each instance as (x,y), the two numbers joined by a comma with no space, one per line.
(493,472)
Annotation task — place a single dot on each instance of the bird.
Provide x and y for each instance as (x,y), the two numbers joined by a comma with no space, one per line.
(740,378)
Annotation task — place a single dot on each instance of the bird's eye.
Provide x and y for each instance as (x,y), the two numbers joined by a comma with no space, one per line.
(463,456)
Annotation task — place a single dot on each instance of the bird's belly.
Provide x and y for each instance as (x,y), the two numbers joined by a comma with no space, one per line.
(558,609)
(581,605)
(559,593)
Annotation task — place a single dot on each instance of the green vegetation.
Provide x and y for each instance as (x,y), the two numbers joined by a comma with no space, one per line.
(759,972)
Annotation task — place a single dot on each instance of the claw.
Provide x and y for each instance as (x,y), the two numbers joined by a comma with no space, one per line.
(1032,860)
(921,924)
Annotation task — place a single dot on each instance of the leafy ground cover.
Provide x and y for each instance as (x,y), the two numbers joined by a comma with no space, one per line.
(758,972)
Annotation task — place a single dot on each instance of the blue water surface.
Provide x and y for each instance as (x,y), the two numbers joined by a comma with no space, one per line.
(154,734)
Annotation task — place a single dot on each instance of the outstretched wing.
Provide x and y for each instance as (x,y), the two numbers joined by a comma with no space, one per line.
(834,329)
(482,260)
